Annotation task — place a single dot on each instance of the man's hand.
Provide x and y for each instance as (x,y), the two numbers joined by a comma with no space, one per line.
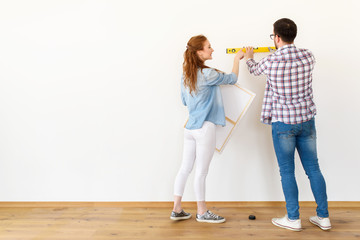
(249,53)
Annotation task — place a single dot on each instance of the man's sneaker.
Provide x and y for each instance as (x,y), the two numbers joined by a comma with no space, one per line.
(179,216)
(323,223)
(285,222)
(209,217)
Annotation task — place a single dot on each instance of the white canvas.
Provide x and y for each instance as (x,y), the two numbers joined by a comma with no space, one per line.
(236,101)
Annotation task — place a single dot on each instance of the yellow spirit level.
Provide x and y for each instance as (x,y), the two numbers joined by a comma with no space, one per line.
(256,50)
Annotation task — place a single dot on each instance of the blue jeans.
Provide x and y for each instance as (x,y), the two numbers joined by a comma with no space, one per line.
(287,138)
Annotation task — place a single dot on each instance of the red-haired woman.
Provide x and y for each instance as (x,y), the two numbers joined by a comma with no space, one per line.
(200,92)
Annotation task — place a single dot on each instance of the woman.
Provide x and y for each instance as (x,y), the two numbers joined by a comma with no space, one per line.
(200,92)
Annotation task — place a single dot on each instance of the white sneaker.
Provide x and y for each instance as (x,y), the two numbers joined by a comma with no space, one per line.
(285,222)
(323,223)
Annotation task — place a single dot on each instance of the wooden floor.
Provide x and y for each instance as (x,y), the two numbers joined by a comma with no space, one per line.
(141,222)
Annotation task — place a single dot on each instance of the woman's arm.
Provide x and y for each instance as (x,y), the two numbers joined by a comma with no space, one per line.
(238,56)
(214,77)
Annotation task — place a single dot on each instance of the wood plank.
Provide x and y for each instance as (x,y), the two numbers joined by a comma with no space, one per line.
(78,223)
(169,204)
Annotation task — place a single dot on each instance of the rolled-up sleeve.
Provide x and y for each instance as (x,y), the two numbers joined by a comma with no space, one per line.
(217,78)
(257,68)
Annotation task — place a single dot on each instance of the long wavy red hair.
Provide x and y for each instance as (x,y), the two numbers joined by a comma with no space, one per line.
(192,61)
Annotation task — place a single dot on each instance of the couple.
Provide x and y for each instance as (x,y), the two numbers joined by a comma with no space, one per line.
(288,106)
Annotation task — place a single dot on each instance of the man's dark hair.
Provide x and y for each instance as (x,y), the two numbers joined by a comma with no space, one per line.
(286,29)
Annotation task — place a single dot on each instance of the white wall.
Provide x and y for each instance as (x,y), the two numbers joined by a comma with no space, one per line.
(90,105)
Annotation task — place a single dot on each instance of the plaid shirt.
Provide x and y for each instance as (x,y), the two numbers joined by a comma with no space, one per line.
(288,94)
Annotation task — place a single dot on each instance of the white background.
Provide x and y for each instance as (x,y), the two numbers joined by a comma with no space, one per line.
(90,105)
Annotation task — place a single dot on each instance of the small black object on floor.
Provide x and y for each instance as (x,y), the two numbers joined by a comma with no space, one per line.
(252,217)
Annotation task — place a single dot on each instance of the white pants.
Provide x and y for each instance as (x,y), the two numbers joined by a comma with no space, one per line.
(199,146)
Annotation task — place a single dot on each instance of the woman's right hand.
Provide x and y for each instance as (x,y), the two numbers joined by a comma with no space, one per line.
(240,54)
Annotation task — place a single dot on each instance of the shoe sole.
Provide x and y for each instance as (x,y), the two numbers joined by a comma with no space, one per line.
(180,218)
(320,226)
(211,221)
(286,227)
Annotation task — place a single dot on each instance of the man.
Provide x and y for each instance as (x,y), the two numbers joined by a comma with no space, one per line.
(289,107)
